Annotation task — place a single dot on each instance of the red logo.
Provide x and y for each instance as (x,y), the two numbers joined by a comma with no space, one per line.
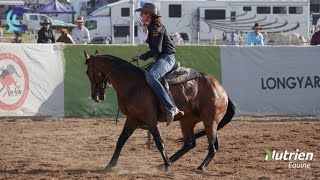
(14,82)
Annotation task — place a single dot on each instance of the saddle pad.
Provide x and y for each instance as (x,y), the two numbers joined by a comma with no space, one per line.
(181,75)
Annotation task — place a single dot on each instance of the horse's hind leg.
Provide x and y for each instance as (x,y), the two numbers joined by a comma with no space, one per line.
(128,129)
(213,145)
(216,142)
(188,139)
(154,130)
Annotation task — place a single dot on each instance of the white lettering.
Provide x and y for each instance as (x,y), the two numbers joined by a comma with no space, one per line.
(309,158)
(285,155)
(290,156)
(292,165)
(296,155)
(301,156)
(278,157)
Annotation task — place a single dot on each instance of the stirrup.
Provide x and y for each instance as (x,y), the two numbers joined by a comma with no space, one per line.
(181,112)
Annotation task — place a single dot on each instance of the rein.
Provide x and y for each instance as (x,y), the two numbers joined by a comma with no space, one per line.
(106,77)
(115,69)
(105,80)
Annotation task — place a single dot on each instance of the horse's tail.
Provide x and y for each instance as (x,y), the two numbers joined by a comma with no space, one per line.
(231,109)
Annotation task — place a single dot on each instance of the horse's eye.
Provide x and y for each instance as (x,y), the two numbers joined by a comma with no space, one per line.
(99,74)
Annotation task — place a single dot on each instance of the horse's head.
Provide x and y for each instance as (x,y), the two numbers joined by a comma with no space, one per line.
(96,76)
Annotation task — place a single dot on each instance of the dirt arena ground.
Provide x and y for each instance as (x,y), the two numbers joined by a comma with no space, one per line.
(80,149)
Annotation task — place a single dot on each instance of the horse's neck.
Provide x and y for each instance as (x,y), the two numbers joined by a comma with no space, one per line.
(123,77)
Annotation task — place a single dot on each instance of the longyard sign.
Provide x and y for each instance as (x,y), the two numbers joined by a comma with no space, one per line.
(14,82)
(296,159)
(291,82)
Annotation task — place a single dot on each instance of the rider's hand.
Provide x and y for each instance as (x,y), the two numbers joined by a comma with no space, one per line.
(136,58)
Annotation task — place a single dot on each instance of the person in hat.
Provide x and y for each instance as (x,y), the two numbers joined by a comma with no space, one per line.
(315,39)
(80,34)
(17,39)
(45,34)
(255,37)
(65,37)
(106,40)
(162,50)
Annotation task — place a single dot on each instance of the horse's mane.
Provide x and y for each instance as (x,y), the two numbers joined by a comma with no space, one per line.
(120,62)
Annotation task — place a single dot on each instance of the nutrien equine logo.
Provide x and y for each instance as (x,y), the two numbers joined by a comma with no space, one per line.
(12,16)
(14,82)
(291,156)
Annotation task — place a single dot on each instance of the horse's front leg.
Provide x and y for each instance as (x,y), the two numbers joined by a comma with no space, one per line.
(154,130)
(127,131)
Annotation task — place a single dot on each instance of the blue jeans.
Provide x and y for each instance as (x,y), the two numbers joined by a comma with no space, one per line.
(163,64)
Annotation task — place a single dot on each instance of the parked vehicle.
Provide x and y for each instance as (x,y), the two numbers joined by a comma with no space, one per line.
(32,21)
(205,20)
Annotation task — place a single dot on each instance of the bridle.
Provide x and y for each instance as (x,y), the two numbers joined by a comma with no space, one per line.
(105,83)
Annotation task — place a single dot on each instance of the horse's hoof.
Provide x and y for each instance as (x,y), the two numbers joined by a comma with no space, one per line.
(164,168)
(108,168)
(201,169)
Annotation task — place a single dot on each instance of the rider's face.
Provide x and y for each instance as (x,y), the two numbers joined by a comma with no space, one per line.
(145,17)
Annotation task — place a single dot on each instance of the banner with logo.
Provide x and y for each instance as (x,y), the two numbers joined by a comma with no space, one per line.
(31,80)
(272,80)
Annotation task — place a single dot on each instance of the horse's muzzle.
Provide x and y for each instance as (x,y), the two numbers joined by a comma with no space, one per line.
(95,98)
(101,97)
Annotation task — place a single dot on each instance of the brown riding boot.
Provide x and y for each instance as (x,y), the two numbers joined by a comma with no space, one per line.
(170,114)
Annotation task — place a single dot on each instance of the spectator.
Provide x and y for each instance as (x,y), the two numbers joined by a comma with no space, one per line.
(143,34)
(106,40)
(176,38)
(17,39)
(80,34)
(45,34)
(65,37)
(224,36)
(315,40)
(233,38)
(255,37)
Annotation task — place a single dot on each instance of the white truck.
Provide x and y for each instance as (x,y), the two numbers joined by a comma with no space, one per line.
(32,20)
(205,20)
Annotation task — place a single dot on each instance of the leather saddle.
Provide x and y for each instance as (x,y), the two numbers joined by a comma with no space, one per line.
(180,74)
(177,75)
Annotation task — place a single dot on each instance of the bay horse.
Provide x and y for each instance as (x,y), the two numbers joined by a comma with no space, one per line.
(202,99)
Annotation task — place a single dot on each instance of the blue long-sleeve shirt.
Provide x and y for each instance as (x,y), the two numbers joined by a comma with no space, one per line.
(254,39)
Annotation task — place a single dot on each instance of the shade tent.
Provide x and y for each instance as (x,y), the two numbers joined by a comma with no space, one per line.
(61,24)
(54,7)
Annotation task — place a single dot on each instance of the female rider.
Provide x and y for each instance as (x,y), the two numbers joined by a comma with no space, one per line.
(162,50)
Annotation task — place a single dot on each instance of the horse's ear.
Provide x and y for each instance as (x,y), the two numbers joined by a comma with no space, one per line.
(86,55)
(97,52)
